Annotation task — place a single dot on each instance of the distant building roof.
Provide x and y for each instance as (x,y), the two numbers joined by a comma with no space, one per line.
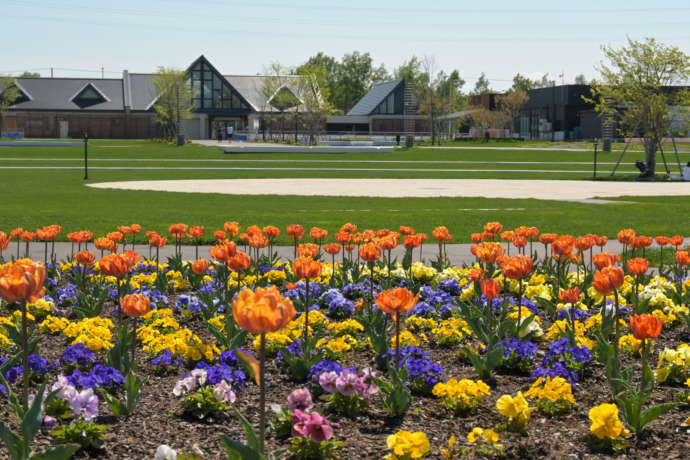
(250,87)
(374,97)
(60,93)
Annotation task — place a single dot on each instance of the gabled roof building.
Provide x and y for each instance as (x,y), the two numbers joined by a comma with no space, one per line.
(124,107)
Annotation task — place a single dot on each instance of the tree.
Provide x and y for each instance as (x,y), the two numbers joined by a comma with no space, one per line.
(174,102)
(511,105)
(8,94)
(26,73)
(277,88)
(634,88)
(580,80)
(526,84)
(481,86)
(313,91)
(438,94)
(357,75)
(327,66)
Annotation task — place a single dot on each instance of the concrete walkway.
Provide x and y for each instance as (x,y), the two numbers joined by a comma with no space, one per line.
(458,254)
(562,190)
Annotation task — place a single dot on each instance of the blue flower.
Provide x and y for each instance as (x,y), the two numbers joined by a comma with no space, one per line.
(77,354)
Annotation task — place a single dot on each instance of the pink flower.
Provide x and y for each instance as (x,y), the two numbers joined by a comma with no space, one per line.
(300,399)
(327,380)
(347,383)
(318,428)
(299,421)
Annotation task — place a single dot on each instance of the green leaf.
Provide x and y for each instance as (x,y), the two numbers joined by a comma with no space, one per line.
(655,412)
(238,451)
(14,444)
(33,419)
(61,452)
(249,431)
(114,403)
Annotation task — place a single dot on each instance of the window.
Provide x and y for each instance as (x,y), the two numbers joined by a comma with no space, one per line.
(89,96)
(211,90)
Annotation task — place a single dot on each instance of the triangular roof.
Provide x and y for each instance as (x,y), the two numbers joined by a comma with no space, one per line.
(59,93)
(374,97)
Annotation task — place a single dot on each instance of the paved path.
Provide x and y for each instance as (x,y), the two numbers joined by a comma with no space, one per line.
(458,254)
(398,188)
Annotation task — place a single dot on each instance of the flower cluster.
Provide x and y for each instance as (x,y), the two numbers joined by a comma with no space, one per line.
(563,360)
(552,395)
(517,410)
(674,364)
(461,396)
(518,356)
(407,445)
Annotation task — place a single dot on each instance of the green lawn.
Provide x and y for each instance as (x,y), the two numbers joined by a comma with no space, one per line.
(33,198)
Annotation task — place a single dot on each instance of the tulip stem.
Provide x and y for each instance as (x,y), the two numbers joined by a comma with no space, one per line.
(615,344)
(397,342)
(517,325)
(134,341)
(305,333)
(262,392)
(25,359)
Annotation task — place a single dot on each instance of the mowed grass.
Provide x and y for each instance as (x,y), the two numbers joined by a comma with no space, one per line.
(32,198)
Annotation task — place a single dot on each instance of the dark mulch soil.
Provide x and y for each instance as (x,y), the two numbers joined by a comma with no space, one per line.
(157,419)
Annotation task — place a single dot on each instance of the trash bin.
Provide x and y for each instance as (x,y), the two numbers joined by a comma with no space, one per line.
(686,172)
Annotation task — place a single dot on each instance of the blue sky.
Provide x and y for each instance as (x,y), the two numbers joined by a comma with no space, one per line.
(499,38)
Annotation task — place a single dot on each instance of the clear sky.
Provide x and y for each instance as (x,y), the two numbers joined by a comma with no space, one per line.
(500,38)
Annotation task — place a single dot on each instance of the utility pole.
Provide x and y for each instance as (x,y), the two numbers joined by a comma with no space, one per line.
(102,73)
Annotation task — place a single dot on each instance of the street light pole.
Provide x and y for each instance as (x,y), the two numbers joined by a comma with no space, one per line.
(86,155)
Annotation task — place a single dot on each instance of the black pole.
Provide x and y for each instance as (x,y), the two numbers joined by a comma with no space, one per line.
(596,144)
(86,156)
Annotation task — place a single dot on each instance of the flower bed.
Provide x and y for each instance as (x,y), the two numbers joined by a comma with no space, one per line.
(581,352)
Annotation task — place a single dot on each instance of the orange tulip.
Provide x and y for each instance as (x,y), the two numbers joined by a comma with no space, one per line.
(4,241)
(200,266)
(682,258)
(271,232)
(583,243)
(295,231)
(105,244)
(412,241)
(477,237)
(441,234)
(240,261)
(488,252)
(521,231)
(196,231)
(136,228)
(348,228)
(233,228)
(516,267)
(28,236)
(508,235)
(532,232)
(370,252)
(389,242)
(493,227)
(16,233)
(396,301)
(662,240)
(317,233)
(124,229)
(383,232)
(135,305)
(115,236)
(608,279)
(571,295)
(476,274)
(638,266)
(262,311)
(490,288)
(343,237)
(645,326)
(368,235)
(158,241)
(258,241)
(308,250)
(306,268)
(605,259)
(561,248)
(219,235)
(548,238)
(85,258)
(677,240)
(115,265)
(332,248)
(520,241)
(220,253)
(601,240)
(406,230)
(22,280)
(626,236)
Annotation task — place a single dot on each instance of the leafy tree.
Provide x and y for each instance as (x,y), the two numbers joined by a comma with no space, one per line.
(526,84)
(410,71)
(634,88)
(314,93)
(174,103)
(356,76)
(511,105)
(26,73)
(580,80)
(8,94)
(277,86)
(481,86)
(329,67)
(438,94)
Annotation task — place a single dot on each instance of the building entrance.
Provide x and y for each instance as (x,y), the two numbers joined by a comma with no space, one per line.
(219,126)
